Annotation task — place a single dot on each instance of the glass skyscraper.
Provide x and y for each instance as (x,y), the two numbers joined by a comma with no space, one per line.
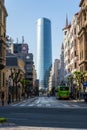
(44,51)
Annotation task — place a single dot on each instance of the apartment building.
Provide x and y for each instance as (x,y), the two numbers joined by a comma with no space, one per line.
(54,77)
(61,75)
(71,47)
(3,15)
(82,35)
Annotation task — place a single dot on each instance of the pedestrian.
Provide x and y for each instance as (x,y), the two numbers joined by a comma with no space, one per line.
(2,98)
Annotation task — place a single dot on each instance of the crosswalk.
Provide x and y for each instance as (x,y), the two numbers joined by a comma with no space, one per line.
(46,103)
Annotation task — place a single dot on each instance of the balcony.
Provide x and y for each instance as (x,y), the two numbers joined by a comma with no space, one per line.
(2,63)
(2,53)
(29,76)
(2,40)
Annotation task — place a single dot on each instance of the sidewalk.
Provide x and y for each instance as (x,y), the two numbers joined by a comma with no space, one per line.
(5,104)
(36,128)
(81,100)
(21,100)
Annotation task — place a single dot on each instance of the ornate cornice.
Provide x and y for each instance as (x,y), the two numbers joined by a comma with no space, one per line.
(81,3)
(3,6)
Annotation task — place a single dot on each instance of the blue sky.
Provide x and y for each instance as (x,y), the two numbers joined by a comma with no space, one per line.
(23,14)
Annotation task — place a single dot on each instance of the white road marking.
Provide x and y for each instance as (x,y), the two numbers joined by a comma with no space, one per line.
(75,105)
(47,102)
(30,105)
(24,104)
(65,105)
(48,105)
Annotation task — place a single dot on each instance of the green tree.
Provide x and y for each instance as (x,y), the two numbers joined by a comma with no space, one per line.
(15,76)
(79,77)
(24,83)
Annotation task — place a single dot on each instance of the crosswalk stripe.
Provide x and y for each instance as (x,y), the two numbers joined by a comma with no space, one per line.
(65,105)
(47,105)
(75,105)
(30,105)
(22,104)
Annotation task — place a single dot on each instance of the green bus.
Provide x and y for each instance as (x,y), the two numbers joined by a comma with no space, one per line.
(63,92)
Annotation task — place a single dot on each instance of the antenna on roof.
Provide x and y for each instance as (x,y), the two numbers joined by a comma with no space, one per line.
(17,40)
(11,40)
(66,20)
(22,39)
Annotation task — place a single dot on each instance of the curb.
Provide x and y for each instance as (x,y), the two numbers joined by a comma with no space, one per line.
(30,100)
(7,124)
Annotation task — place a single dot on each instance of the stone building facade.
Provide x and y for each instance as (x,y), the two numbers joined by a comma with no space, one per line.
(3,15)
(71,48)
(82,35)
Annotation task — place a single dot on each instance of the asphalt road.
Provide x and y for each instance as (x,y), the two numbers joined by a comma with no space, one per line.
(46,117)
(47,112)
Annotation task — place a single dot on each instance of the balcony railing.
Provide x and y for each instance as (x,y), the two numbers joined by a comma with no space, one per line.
(2,55)
(2,63)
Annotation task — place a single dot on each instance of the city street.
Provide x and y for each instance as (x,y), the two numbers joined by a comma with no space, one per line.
(50,102)
(47,112)
(43,65)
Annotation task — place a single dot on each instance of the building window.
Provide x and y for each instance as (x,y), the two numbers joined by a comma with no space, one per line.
(0,50)
(86,67)
(68,43)
(0,16)
(4,34)
(74,31)
(27,57)
(84,16)
(3,79)
(75,65)
(65,32)
(82,54)
(68,60)
(75,53)
(81,68)
(68,52)
(86,54)
(69,70)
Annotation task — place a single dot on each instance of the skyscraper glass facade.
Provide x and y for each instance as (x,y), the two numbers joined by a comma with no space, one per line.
(44,51)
